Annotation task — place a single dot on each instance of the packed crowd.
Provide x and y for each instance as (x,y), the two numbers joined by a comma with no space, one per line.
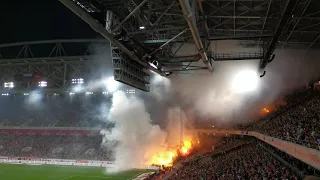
(53,146)
(53,112)
(299,123)
(247,162)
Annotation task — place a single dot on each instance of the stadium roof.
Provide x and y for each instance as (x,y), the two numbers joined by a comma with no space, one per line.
(153,31)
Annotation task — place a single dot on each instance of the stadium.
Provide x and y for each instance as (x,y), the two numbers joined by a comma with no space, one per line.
(160,89)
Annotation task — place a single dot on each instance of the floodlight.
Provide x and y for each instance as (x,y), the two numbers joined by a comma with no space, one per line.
(43,84)
(111,84)
(9,85)
(77,81)
(142,27)
(26,94)
(245,81)
(71,93)
(105,92)
(5,94)
(131,91)
(89,93)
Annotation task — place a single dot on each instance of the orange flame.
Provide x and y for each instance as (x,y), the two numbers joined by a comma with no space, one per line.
(266,110)
(185,149)
(164,158)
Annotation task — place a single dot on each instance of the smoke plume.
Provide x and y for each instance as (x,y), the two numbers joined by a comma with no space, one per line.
(137,139)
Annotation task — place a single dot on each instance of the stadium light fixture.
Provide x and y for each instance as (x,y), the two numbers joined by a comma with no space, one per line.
(104,92)
(131,91)
(26,94)
(245,81)
(9,85)
(71,93)
(89,93)
(43,84)
(5,94)
(77,81)
(142,27)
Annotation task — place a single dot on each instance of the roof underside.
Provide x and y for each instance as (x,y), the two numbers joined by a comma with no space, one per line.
(153,31)
(255,23)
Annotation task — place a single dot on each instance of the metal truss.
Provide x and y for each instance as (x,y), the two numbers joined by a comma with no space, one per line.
(57,60)
(149,27)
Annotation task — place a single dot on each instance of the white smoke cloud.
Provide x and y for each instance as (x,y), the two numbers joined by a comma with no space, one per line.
(160,87)
(137,139)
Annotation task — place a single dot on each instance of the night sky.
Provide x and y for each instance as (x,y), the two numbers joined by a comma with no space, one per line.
(40,20)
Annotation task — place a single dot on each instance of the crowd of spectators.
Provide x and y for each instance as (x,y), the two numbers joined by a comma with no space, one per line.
(53,146)
(246,162)
(299,123)
(53,112)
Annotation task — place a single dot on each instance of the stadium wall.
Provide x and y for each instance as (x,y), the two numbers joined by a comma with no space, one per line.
(61,162)
(69,162)
(308,155)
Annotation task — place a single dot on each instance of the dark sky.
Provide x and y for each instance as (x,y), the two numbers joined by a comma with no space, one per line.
(40,20)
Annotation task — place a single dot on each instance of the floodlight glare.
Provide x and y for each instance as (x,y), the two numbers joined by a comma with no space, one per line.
(142,27)
(26,94)
(5,94)
(43,84)
(9,85)
(77,81)
(111,84)
(131,91)
(245,81)
(71,93)
(89,93)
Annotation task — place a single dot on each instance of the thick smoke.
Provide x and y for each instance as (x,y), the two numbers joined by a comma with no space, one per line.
(136,138)
(207,96)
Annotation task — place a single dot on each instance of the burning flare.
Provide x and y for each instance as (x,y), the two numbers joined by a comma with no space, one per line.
(166,158)
(185,149)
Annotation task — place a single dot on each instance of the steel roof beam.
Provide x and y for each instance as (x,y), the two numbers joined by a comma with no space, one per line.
(265,20)
(101,30)
(295,25)
(281,26)
(190,18)
(129,15)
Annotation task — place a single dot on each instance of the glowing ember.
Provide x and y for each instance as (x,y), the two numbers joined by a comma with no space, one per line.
(266,110)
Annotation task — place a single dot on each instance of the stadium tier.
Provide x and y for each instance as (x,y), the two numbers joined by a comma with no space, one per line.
(53,144)
(297,122)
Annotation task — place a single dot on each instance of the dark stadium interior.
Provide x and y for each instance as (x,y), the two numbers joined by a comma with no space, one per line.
(172,89)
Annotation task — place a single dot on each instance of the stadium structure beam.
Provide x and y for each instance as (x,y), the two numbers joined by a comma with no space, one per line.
(129,15)
(164,44)
(314,41)
(190,18)
(237,56)
(295,25)
(101,30)
(160,17)
(240,37)
(265,20)
(157,30)
(203,14)
(281,26)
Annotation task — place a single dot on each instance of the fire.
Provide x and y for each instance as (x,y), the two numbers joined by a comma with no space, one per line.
(164,158)
(266,110)
(185,148)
